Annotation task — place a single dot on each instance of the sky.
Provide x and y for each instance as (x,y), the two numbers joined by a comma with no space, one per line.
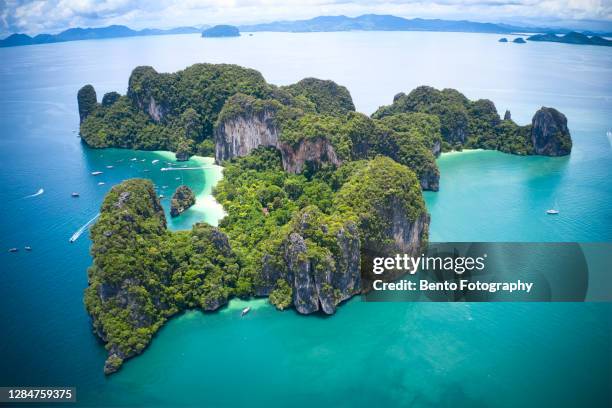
(36,16)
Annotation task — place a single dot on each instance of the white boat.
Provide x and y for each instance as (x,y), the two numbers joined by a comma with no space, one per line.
(133,159)
(96,173)
(552,212)
(155,161)
(245,311)
(109,167)
(101,183)
(74,194)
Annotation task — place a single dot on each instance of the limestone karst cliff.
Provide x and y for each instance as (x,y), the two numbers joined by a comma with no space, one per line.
(549,133)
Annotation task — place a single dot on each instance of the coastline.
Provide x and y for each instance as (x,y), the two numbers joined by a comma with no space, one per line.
(457,152)
(207,208)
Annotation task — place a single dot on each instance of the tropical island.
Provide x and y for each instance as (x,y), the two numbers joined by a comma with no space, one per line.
(98,33)
(221,31)
(312,190)
(572,38)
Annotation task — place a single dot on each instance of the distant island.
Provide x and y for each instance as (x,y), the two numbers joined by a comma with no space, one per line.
(221,31)
(377,22)
(366,22)
(572,38)
(519,40)
(77,34)
(503,40)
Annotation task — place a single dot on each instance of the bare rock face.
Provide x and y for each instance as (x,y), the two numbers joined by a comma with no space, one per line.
(239,135)
(430,180)
(549,133)
(315,151)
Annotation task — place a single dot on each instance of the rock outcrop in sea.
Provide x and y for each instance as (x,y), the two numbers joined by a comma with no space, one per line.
(182,199)
(549,133)
(87,101)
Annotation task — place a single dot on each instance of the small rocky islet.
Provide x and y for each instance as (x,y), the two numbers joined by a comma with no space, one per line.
(182,199)
(311,188)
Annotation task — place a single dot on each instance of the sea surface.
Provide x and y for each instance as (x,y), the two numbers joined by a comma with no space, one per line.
(368,354)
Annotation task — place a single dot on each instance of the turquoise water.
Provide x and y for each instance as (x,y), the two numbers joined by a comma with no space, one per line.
(368,354)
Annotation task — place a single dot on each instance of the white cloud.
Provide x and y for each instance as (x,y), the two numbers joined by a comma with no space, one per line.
(35,16)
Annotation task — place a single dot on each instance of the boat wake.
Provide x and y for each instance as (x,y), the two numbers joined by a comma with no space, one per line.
(78,233)
(39,192)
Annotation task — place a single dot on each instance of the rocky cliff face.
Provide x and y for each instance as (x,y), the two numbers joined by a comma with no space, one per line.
(143,85)
(549,133)
(314,151)
(238,135)
(87,101)
(430,180)
(319,279)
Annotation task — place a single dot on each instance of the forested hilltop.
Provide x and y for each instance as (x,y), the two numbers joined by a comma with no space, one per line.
(476,124)
(297,239)
(312,189)
(227,110)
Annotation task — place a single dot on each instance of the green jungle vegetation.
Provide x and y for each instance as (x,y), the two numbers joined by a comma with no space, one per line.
(463,123)
(142,273)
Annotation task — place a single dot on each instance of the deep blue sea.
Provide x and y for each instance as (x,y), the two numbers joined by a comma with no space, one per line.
(368,354)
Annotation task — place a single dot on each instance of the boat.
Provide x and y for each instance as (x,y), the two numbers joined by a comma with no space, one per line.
(245,311)
(28,248)
(161,196)
(155,161)
(96,173)
(552,212)
(13,250)
(133,159)
(109,167)
(36,194)
(178,178)
(74,194)
(101,183)
(78,233)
